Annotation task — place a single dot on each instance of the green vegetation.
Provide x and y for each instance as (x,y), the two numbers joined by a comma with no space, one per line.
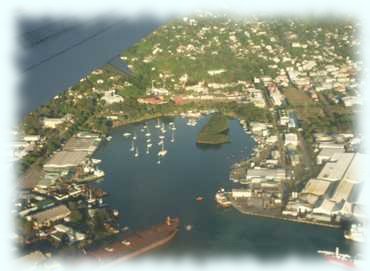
(215,131)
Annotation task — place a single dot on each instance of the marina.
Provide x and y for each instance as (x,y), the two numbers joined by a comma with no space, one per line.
(170,185)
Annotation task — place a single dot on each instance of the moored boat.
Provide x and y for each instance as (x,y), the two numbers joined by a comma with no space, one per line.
(336,257)
(355,233)
(133,245)
(221,199)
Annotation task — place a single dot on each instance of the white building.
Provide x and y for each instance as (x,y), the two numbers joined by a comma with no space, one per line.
(327,154)
(291,139)
(241,193)
(335,168)
(110,97)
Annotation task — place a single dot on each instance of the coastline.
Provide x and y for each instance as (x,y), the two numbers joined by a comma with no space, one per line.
(284,218)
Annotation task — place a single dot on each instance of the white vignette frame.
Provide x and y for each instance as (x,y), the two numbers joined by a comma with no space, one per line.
(88,9)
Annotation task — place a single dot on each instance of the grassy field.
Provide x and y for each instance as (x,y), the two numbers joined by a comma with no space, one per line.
(303,104)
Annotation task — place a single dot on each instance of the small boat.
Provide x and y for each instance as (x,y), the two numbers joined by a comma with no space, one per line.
(159,161)
(149,145)
(199,198)
(147,134)
(188,227)
(95,161)
(134,137)
(108,138)
(336,257)
(137,152)
(157,125)
(160,142)
(148,140)
(161,137)
(132,146)
(125,228)
(162,152)
(127,134)
(142,130)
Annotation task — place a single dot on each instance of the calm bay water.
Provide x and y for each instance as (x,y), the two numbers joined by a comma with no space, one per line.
(146,192)
(56,54)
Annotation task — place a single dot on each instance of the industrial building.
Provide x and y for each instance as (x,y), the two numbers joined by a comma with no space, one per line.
(82,144)
(264,174)
(49,216)
(335,169)
(64,160)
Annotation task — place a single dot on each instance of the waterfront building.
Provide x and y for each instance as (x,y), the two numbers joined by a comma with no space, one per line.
(316,187)
(237,193)
(326,154)
(265,174)
(63,160)
(325,211)
(47,217)
(82,144)
(335,169)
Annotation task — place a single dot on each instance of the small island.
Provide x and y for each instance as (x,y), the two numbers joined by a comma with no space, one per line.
(215,131)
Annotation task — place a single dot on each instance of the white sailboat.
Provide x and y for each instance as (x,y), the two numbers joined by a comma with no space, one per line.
(149,145)
(162,152)
(173,136)
(132,146)
(137,152)
(163,128)
(126,134)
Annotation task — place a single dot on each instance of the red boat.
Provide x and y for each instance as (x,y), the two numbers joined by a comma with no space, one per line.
(199,198)
(138,243)
(337,258)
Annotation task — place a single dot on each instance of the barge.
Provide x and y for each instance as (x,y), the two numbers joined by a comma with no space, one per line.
(138,243)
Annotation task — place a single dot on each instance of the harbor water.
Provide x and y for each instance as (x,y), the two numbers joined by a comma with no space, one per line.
(145,192)
(56,54)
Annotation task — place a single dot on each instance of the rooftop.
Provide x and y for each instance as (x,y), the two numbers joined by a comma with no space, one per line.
(316,187)
(353,170)
(335,169)
(81,144)
(52,214)
(343,191)
(66,159)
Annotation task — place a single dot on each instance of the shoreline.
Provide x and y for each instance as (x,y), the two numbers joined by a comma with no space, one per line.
(284,218)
